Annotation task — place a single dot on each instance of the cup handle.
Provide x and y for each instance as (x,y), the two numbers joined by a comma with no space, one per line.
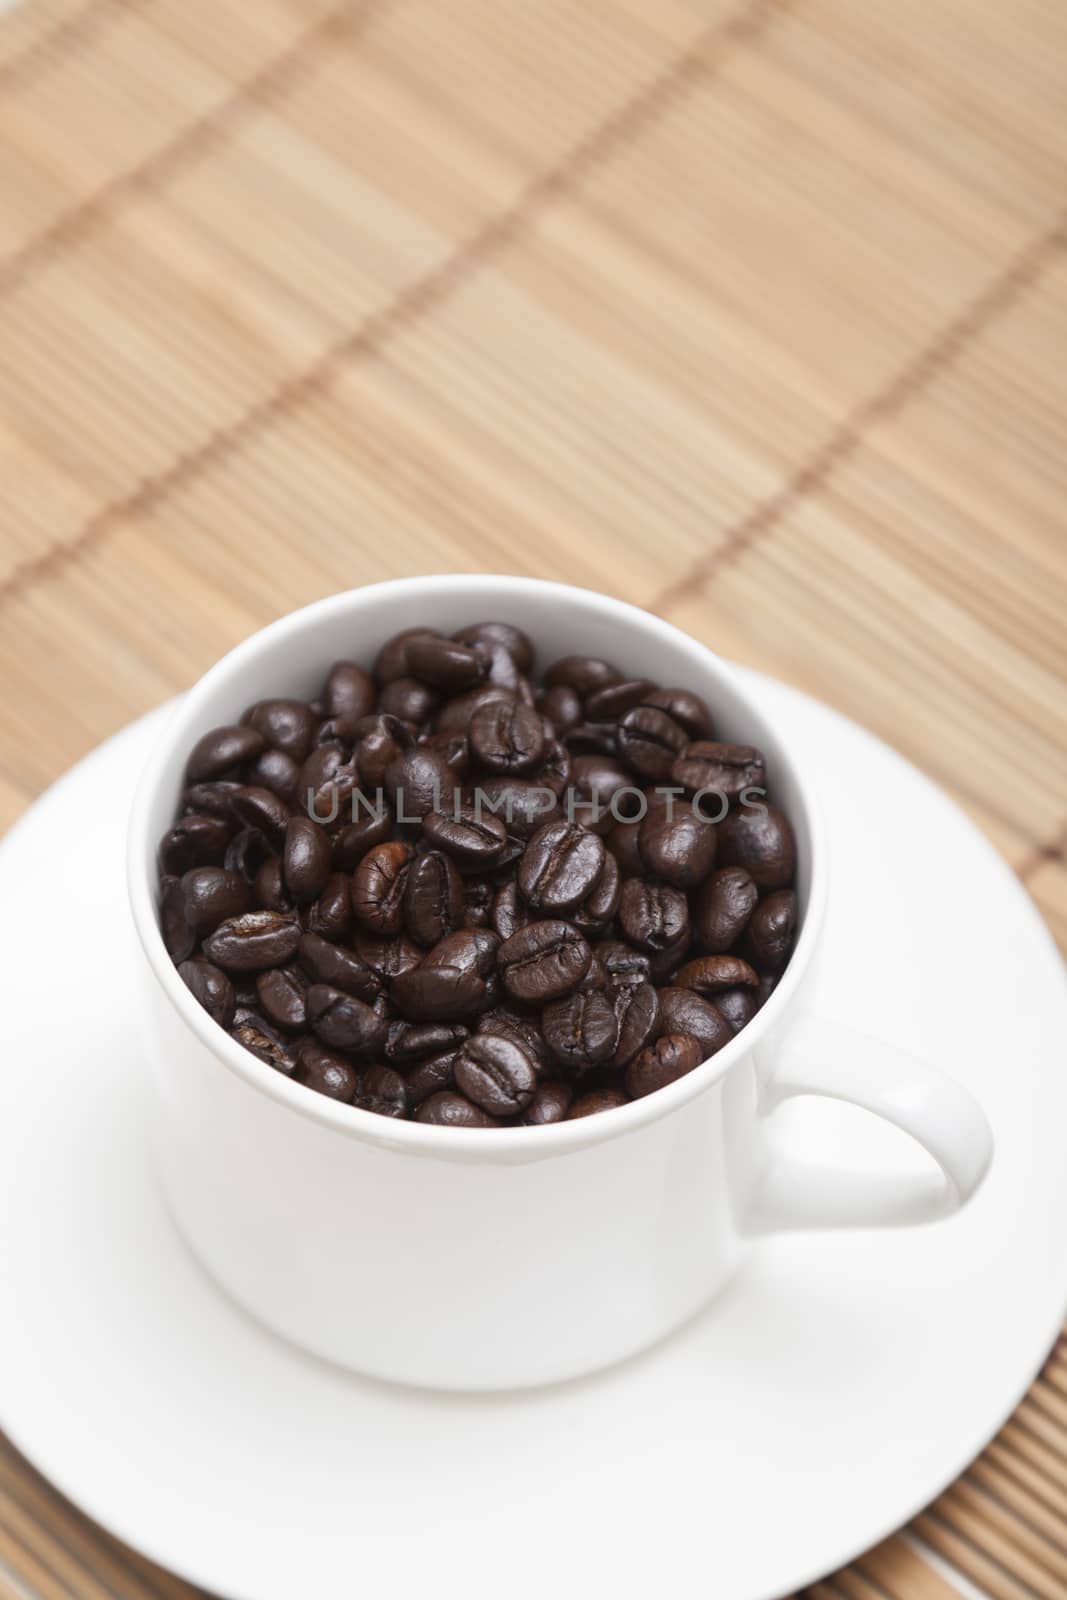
(815,1057)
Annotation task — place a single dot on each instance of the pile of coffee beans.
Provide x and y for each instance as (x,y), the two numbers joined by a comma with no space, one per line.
(442,893)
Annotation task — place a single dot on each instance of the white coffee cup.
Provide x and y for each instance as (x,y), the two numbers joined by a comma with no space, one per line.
(489,1259)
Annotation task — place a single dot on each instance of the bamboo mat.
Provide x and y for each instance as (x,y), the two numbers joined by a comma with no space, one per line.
(754,313)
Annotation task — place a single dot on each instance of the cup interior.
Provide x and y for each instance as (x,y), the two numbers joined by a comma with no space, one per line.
(291,657)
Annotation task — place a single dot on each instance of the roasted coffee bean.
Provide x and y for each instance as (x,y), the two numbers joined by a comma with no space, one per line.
(615,699)
(378,748)
(262,809)
(543,961)
(738,1006)
(327,963)
(683,1011)
(351,844)
(496,1074)
(560,866)
(582,1030)
(211,987)
(382,1091)
(282,993)
(212,799)
(769,935)
(254,941)
(648,741)
(269,892)
(445,663)
(723,769)
(469,833)
(507,738)
(430,1077)
(451,1110)
(343,1022)
(670,1058)
(637,1014)
(197,840)
(392,659)
(286,725)
(418,781)
(522,807)
(583,674)
(348,693)
(364,879)
(622,841)
(210,895)
(653,916)
(676,844)
(597,1100)
(711,975)
(435,991)
(306,859)
(522,1029)
(325,1072)
(602,901)
(433,898)
(602,793)
(388,958)
(760,840)
(510,912)
(258,1036)
(378,885)
(684,707)
(562,706)
(723,907)
(501,635)
(623,965)
(220,751)
(412,1041)
(331,913)
(247,852)
(274,770)
(551,1102)
(409,700)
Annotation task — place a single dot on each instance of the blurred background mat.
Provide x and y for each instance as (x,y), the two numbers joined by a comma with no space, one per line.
(754,314)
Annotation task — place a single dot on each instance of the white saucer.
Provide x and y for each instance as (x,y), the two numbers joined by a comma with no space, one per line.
(839,1384)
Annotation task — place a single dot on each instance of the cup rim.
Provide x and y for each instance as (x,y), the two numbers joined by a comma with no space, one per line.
(494,1145)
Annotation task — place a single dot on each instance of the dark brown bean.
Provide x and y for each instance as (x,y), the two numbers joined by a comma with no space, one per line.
(253,942)
(711,975)
(348,693)
(269,892)
(247,852)
(521,806)
(216,753)
(496,1073)
(383,1091)
(211,987)
(562,706)
(738,1006)
(325,1072)
(596,1101)
(450,1110)
(257,1035)
(670,1058)
(353,841)
(560,866)
(388,958)
(262,809)
(445,663)
(649,739)
(583,674)
(378,885)
(392,660)
(331,914)
(412,1041)
(306,859)
(287,726)
(623,965)
(612,701)
(684,1011)
(508,738)
(637,1012)
(433,898)
(409,700)
(602,901)
(543,961)
(210,895)
(197,840)
(419,781)
(769,935)
(725,769)
(379,747)
(213,799)
(760,840)
(676,844)
(470,834)
(603,792)
(653,916)
(429,1077)
(723,907)
(582,1030)
(503,636)
(282,993)
(684,707)
(552,1099)
(274,770)
(343,1022)
(522,1029)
